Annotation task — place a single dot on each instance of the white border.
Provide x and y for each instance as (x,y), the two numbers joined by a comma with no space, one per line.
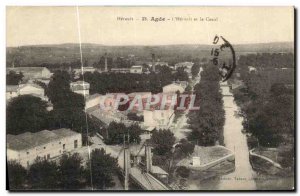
(5,3)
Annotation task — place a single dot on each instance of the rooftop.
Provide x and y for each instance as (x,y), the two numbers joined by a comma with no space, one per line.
(30,140)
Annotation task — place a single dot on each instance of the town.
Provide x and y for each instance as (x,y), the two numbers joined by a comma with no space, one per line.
(70,118)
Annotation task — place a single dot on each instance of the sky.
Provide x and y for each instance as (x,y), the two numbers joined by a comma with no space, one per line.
(57,25)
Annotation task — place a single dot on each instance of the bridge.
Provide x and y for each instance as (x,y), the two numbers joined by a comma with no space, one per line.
(139,174)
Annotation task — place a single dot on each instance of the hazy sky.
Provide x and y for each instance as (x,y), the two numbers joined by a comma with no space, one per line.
(55,25)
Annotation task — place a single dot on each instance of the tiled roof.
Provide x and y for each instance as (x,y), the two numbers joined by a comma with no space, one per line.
(30,140)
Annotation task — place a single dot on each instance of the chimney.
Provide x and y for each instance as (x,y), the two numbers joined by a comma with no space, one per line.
(105,61)
(153,62)
(148,158)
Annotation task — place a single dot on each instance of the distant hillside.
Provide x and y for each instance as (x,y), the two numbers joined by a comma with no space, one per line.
(66,53)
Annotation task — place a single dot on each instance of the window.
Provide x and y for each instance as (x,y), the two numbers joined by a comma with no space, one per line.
(59,142)
(44,147)
(75,143)
(64,146)
(48,156)
(27,152)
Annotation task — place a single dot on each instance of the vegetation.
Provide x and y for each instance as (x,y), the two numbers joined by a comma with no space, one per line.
(117,132)
(67,174)
(13,78)
(26,113)
(127,83)
(43,175)
(16,175)
(71,172)
(102,169)
(207,123)
(162,141)
(266,99)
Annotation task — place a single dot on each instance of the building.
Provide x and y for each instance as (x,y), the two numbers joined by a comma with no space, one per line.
(120,70)
(32,72)
(173,88)
(93,101)
(186,65)
(77,72)
(25,89)
(25,148)
(80,87)
(136,69)
(12,91)
(160,119)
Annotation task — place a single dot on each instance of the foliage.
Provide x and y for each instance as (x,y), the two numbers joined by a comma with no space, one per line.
(207,123)
(71,171)
(162,141)
(195,69)
(103,83)
(16,175)
(26,113)
(13,78)
(102,169)
(116,133)
(267,98)
(44,175)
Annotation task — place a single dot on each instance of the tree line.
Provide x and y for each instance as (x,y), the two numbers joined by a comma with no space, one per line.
(70,172)
(207,123)
(266,99)
(127,83)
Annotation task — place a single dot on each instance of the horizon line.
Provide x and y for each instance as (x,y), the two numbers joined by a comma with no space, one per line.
(153,45)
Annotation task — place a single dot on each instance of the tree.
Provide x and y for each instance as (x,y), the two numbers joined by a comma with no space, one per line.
(26,113)
(44,175)
(71,171)
(16,175)
(207,123)
(13,78)
(101,169)
(116,132)
(162,141)
(59,87)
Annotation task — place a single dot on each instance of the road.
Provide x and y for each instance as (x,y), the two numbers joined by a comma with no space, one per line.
(181,127)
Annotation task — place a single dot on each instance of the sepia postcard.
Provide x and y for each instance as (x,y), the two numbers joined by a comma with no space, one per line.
(150,98)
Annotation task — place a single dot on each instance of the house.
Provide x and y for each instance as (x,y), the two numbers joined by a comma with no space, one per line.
(12,91)
(93,101)
(32,72)
(173,88)
(25,89)
(77,72)
(160,119)
(80,87)
(186,65)
(32,89)
(120,70)
(136,69)
(26,147)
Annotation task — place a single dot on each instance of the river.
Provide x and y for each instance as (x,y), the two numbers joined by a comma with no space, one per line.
(235,140)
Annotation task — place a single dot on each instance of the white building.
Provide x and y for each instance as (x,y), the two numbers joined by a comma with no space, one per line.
(25,148)
(25,89)
(80,87)
(77,72)
(32,72)
(12,91)
(93,101)
(173,88)
(160,119)
(136,69)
